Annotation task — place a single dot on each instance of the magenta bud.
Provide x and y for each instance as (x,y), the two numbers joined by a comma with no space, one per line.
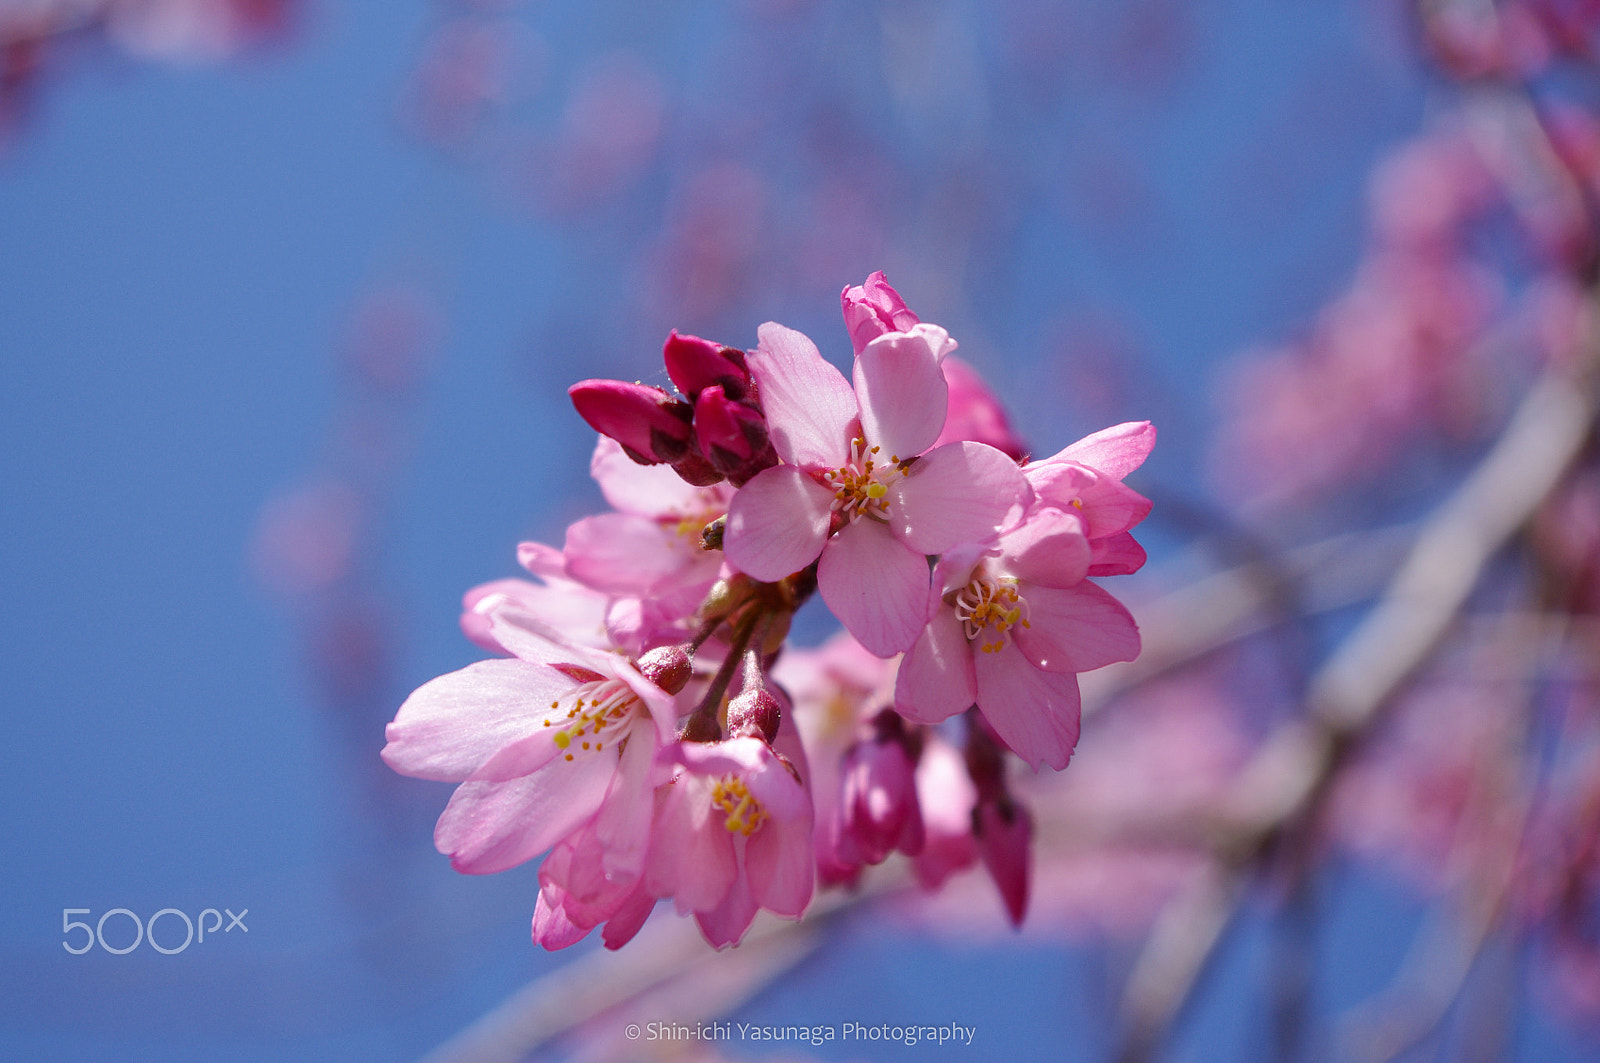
(695,364)
(1004,832)
(668,667)
(873,308)
(878,810)
(754,714)
(730,433)
(651,425)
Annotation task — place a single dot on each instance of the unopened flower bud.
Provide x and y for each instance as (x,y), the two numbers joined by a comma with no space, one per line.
(651,425)
(878,810)
(668,667)
(730,433)
(754,714)
(695,364)
(1004,832)
(724,597)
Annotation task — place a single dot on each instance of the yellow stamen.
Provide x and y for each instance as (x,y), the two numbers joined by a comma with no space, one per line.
(745,814)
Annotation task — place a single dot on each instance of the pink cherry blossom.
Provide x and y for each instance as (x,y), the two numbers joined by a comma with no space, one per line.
(1087,476)
(732,835)
(542,743)
(1010,623)
(862,486)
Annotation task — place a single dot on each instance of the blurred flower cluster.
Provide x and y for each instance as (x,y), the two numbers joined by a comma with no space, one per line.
(647,726)
(38,35)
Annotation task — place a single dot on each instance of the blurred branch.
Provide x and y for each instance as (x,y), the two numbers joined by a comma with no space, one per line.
(1483,862)
(668,953)
(1290,775)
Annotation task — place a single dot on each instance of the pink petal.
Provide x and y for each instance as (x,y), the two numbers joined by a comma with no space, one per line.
(627,554)
(777,524)
(623,825)
(577,611)
(452,725)
(542,560)
(522,757)
(725,925)
(551,927)
(1111,507)
(1115,555)
(475,625)
(956,493)
(630,917)
(779,858)
(692,857)
(1005,837)
(1076,629)
(873,308)
(1035,713)
(974,413)
(489,827)
(936,679)
(875,586)
(1048,548)
(1107,505)
(649,490)
(532,639)
(809,406)
(734,756)
(902,391)
(1115,451)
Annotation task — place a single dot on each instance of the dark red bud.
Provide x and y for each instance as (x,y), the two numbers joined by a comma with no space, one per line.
(651,425)
(695,364)
(754,714)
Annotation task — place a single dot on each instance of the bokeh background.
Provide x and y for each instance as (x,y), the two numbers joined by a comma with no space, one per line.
(290,294)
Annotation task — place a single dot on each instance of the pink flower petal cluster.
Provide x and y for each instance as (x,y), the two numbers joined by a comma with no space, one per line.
(1013,619)
(651,749)
(862,489)
(544,743)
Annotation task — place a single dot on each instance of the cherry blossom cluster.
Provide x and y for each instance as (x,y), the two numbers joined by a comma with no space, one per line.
(644,724)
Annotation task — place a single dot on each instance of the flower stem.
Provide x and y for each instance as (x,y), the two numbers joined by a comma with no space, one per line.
(703,725)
